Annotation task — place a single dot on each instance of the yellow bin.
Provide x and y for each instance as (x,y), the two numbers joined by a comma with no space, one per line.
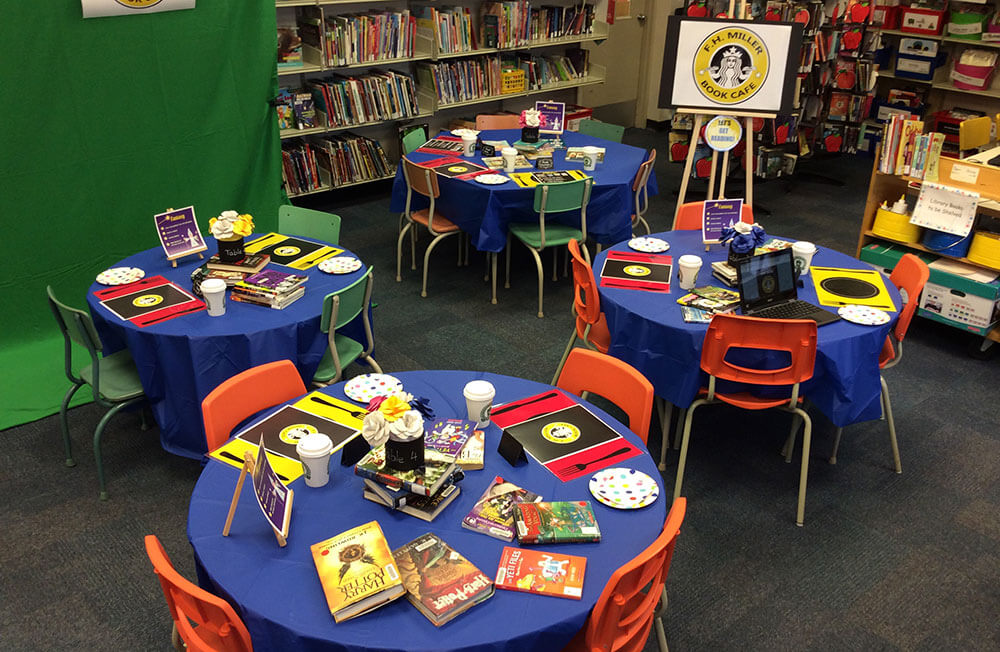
(985,249)
(895,226)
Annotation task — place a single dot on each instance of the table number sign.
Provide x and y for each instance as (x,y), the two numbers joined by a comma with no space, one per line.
(944,208)
(273,498)
(179,234)
(555,116)
(544,163)
(719,214)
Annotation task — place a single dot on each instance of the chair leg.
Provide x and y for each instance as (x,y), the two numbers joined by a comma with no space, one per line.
(789,446)
(399,251)
(370,360)
(562,360)
(684,447)
(800,511)
(506,282)
(427,259)
(892,426)
(541,279)
(64,420)
(175,638)
(680,425)
(97,445)
(661,636)
(836,445)
(555,264)
(494,255)
(413,247)
(666,410)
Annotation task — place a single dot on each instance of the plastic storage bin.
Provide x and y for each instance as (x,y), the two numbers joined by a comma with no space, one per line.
(948,244)
(895,226)
(974,69)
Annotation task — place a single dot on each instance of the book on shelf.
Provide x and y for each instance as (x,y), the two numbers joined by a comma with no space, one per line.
(493,513)
(446,438)
(544,573)
(472,456)
(559,521)
(425,508)
(425,480)
(449,28)
(298,168)
(439,581)
(289,46)
(304,111)
(368,37)
(375,96)
(357,571)
(250,264)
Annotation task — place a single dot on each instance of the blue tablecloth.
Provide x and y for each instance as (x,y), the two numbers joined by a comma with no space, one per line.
(649,332)
(483,211)
(181,360)
(277,591)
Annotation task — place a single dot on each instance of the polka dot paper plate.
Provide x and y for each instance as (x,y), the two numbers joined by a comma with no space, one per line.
(865,315)
(366,387)
(491,179)
(120,275)
(624,488)
(340,265)
(649,245)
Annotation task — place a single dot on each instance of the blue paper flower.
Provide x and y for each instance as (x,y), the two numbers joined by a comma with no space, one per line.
(743,238)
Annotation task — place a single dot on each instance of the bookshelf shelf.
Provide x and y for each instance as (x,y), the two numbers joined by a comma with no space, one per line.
(327,188)
(547,88)
(295,133)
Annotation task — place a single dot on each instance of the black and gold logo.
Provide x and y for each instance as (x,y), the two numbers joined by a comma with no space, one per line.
(138,4)
(147,300)
(287,250)
(731,65)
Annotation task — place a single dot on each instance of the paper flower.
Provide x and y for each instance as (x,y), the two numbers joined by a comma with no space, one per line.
(230,225)
(393,408)
(743,238)
(375,429)
(532,118)
(408,427)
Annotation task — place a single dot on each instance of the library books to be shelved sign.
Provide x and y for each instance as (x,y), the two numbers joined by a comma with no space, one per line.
(98,8)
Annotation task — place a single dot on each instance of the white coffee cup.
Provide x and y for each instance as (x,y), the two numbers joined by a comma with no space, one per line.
(687,271)
(469,144)
(478,401)
(509,158)
(802,255)
(314,450)
(590,154)
(214,291)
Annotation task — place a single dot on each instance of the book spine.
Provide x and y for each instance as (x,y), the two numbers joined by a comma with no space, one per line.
(391,481)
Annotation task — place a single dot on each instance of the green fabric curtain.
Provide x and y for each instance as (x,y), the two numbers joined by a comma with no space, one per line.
(107,122)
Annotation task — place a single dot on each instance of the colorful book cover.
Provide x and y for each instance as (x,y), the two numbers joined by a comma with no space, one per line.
(449,436)
(722,295)
(424,480)
(695,315)
(772,244)
(545,573)
(473,453)
(493,513)
(439,581)
(693,300)
(561,521)
(357,571)
(273,280)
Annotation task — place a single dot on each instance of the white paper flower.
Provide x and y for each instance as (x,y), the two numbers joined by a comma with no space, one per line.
(375,429)
(532,118)
(222,229)
(743,227)
(408,427)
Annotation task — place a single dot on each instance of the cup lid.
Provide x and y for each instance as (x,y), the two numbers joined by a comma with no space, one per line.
(213,285)
(689,259)
(314,444)
(802,245)
(479,389)
(508,150)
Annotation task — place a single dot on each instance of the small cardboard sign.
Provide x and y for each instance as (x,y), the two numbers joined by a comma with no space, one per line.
(718,215)
(544,163)
(179,233)
(555,116)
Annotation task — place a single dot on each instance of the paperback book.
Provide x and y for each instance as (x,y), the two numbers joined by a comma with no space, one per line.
(250,264)
(425,480)
(472,456)
(561,521)
(545,573)
(447,437)
(493,513)
(425,508)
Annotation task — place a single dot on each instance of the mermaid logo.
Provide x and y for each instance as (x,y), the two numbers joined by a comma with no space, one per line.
(138,4)
(731,65)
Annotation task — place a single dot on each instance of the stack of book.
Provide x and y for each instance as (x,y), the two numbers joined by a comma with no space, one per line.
(493,513)
(250,264)
(203,273)
(701,303)
(271,288)
(725,272)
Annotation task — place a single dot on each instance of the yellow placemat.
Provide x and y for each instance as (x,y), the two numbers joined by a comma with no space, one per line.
(231,453)
(334,409)
(822,276)
(532,179)
(291,251)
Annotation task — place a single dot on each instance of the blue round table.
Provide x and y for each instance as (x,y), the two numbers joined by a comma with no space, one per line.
(483,211)
(649,332)
(277,591)
(182,359)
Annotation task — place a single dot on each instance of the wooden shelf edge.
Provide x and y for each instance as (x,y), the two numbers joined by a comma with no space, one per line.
(296,133)
(343,185)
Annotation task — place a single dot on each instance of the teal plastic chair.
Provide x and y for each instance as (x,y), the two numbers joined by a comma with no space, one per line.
(604,130)
(412,137)
(552,198)
(113,379)
(305,222)
(339,308)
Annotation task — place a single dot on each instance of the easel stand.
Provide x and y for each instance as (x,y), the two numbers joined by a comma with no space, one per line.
(248,468)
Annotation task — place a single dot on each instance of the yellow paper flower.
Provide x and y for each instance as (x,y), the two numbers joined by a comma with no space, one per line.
(243,226)
(393,408)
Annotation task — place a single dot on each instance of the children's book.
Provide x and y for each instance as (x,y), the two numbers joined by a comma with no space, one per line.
(711,299)
(448,437)
(695,315)
(425,480)
(472,456)
(577,154)
(496,162)
(561,521)
(493,513)
(357,571)
(439,581)
(545,573)
(425,508)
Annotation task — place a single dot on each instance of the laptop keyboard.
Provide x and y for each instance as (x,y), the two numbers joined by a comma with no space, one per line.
(790,310)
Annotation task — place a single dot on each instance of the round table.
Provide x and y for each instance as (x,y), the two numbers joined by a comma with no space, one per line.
(483,211)
(181,360)
(648,331)
(277,590)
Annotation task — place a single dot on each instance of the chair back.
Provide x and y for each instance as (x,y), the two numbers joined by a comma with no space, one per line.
(642,175)
(308,223)
(586,300)
(411,137)
(561,197)
(421,180)
(217,627)
(613,379)
(624,613)
(909,275)
(604,130)
(246,393)
(486,121)
(344,305)
(76,325)
(689,216)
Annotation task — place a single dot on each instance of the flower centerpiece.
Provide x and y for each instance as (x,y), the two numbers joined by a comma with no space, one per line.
(229,229)
(531,120)
(743,238)
(391,421)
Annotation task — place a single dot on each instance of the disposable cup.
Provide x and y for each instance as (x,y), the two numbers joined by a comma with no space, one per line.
(590,154)
(479,396)
(509,157)
(469,144)
(687,271)
(314,450)
(214,292)
(802,255)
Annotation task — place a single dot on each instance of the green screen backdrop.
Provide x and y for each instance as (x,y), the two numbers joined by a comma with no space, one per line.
(109,121)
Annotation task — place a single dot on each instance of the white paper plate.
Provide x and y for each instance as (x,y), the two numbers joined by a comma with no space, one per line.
(649,245)
(120,275)
(491,179)
(462,132)
(865,315)
(366,387)
(623,488)
(340,265)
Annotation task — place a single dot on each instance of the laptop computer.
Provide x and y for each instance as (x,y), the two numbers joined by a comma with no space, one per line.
(767,285)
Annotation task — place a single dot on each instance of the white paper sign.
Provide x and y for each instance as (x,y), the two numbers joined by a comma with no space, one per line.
(97,8)
(947,209)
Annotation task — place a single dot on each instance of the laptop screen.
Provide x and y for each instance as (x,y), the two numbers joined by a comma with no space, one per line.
(766,279)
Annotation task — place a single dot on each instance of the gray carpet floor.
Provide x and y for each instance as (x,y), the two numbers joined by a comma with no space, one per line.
(884,562)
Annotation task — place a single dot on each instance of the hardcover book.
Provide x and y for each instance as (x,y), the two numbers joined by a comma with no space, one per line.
(545,573)
(425,508)
(357,571)
(250,264)
(493,513)
(425,480)
(272,281)
(561,521)
(439,581)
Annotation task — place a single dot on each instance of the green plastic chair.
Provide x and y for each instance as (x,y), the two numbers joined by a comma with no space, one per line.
(412,137)
(604,130)
(552,198)
(339,308)
(307,223)
(113,379)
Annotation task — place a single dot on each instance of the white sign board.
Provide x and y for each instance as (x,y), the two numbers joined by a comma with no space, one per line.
(944,208)
(97,8)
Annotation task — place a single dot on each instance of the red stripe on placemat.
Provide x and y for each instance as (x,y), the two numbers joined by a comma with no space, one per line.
(444,160)
(121,290)
(641,258)
(168,313)
(565,468)
(626,284)
(519,411)
(466,177)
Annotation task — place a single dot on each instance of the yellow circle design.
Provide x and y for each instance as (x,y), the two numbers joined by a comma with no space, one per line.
(287,250)
(731,65)
(138,4)
(723,133)
(560,432)
(637,270)
(459,168)
(147,300)
(293,433)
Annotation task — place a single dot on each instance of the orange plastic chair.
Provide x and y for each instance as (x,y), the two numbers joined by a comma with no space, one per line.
(591,326)
(486,121)
(246,393)
(613,379)
(634,597)
(424,182)
(910,275)
(216,626)
(689,216)
(794,337)
(640,193)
